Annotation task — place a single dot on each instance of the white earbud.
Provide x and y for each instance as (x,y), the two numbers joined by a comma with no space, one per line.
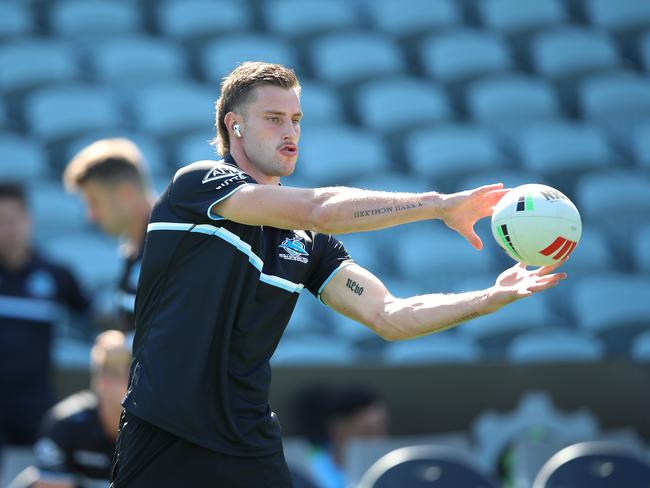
(237,130)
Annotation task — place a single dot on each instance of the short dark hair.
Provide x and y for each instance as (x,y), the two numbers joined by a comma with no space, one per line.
(106,161)
(237,88)
(13,191)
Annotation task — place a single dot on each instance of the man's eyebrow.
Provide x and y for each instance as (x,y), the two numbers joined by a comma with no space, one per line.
(278,112)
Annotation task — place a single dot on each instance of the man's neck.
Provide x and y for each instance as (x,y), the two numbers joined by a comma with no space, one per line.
(249,168)
(138,226)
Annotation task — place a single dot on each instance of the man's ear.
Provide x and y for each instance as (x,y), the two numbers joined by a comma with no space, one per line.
(231,119)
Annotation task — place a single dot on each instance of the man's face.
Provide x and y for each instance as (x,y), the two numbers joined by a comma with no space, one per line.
(112,385)
(371,422)
(105,206)
(15,227)
(271,129)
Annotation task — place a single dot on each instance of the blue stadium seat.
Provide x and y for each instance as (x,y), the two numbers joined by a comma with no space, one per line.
(55,114)
(219,57)
(128,60)
(642,249)
(421,16)
(641,145)
(355,56)
(510,103)
(33,62)
(591,256)
(620,16)
(613,306)
(16,19)
(93,258)
(363,338)
(641,348)
(174,108)
(22,159)
(463,54)
(403,103)
(554,345)
(432,349)
(308,318)
(573,51)
(561,151)
(314,349)
(331,154)
(194,147)
(367,250)
(4,118)
(513,17)
(154,155)
(71,353)
(644,51)
(398,181)
(94,18)
(55,212)
(300,19)
(510,178)
(451,151)
(201,19)
(320,103)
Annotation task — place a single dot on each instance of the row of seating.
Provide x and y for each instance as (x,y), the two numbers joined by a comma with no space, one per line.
(294,18)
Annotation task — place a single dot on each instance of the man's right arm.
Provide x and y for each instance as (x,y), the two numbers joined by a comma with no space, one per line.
(341,210)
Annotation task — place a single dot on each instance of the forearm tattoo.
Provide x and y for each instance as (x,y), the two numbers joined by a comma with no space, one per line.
(400,207)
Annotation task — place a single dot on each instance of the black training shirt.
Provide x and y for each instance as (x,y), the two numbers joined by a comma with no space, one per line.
(213,300)
(73,447)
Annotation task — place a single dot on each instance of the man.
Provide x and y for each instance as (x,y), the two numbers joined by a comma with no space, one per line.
(110,175)
(221,274)
(33,292)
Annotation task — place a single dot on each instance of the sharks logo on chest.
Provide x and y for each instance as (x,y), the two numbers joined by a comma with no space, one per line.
(294,249)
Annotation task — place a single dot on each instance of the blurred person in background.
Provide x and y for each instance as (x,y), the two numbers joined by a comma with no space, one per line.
(110,175)
(77,436)
(33,291)
(228,251)
(328,417)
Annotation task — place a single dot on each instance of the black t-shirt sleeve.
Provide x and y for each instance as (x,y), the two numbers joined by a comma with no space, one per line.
(70,291)
(53,452)
(332,257)
(198,187)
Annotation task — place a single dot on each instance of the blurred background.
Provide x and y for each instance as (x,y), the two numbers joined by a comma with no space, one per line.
(408,96)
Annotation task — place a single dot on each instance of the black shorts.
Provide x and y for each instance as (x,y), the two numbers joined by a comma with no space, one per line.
(147,457)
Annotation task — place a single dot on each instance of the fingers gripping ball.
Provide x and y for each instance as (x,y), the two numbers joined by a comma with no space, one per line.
(536,225)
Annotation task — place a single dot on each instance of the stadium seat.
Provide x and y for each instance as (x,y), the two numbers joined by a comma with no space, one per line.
(308,318)
(644,51)
(4,118)
(535,413)
(513,17)
(561,151)
(154,155)
(331,154)
(495,332)
(174,108)
(15,19)
(33,62)
(94,18)
(641,348)
(320,104)
(642,249)
(55,114)
(22,159)
(446,153)
(93,258)
(355,57)
(128,60)
(69,353)
(399,181)
(219,57)
(299,19)
(595,464)
(510,178)
(368,250)
(359,453)
(464,54)
(188,20)
(614,307)
(509,103)
(641,145)
(554,345)
(54,212)
(573,51)
(619,16)
(314,349)
(422,16)
(400,104)
(194,147)
(434,349)
(425,466)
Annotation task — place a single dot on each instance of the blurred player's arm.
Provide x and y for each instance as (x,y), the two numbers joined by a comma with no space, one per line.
(340,210)
(358,294)
(50,484)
